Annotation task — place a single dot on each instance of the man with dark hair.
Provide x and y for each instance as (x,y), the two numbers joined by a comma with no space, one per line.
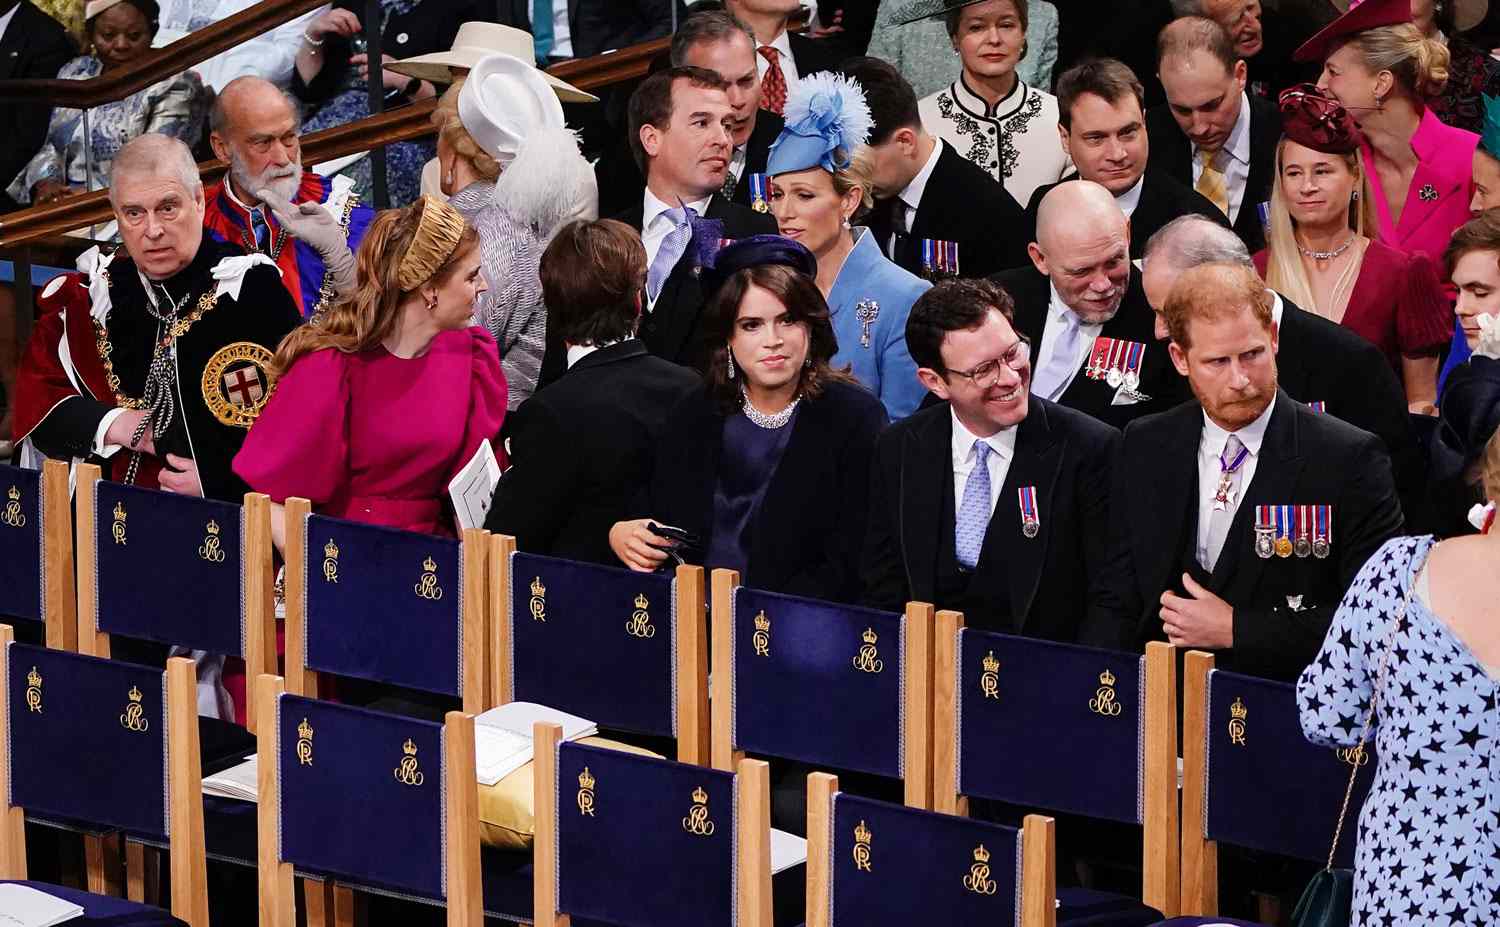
(1102,124)
(990,502)
(1239,520)
(930,196)
(718,42)
(582,447)
(1211,134)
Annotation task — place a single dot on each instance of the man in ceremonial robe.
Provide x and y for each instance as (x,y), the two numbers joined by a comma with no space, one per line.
(155,360)
(267,204)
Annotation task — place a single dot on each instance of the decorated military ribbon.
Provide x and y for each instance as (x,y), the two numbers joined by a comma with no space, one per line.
(1284,531)
(1303,544)
(940,257)
(759,201)
(1031,521)
(1265,532)
(1098,358)
(1322,531)
(1318,406)
(1133,360)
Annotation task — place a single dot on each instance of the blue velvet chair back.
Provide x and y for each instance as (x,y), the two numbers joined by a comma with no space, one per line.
(1267,787)
(384,605)
(22,565)
(818,682)
(361,796)
(897,865)
(644,842)
(595,641)
(87,740)
(170,568)
(1037,721)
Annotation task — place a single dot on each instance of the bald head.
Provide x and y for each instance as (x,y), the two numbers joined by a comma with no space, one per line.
(254,126)
(1083,245)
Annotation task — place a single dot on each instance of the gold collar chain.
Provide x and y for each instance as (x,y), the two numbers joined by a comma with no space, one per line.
(176,330)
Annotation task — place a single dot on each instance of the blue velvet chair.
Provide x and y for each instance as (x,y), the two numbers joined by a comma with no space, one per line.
(876,864)
(636,841)
(633,644)
(62,715)
(835,686)
(36,551)
(382,605)
(381,802)
(1063,728)
(177,570)
(1251,779)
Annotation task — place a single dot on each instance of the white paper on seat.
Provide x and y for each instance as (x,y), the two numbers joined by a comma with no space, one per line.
(473,489)
(787,850)
(237,782)
(502,736)
(24,906)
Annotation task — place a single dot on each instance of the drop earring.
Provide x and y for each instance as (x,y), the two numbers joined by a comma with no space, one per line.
(846,223)
(731,368)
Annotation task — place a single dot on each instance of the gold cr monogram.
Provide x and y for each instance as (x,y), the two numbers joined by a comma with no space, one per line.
(1237,715)
(13,516)
(408,773)
(868,660)
(640,624)
(117,530)
(427,587)
(760,638)
(697,821)
(978,880)
(586,793)
(210,550)
(1104,702)
(989,680)
(134,718)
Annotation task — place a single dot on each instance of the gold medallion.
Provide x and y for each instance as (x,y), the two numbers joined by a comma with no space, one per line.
(237,383)
(1283,547)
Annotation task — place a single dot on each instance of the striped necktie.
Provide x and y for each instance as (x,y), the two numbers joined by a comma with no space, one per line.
(1211,181)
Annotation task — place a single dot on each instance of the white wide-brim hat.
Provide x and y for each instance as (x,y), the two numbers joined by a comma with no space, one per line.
(474,42)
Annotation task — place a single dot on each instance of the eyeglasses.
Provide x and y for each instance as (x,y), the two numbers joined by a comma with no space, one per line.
(987,374)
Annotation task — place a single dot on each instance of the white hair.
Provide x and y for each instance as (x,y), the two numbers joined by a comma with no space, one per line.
(1191,241)
(156,155)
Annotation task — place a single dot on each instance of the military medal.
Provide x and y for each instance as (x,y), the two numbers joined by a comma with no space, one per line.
(1265,533)
(1303,545)
(1115,377)
(939,258)
(1322,531)
(758,199)
(1031,522)
(1095,370)
(1224,494)
(1133,360)
(1318,406)
(1283,531)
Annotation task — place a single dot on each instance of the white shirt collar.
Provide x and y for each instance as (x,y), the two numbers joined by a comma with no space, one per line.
(654,207)
(1059,310)
(1278,308)
(5,20)
(577,352)
(912,195)
(229,189)
(1251,435)
(782,43)
(1002,442)
(1238,143)
(1131,198)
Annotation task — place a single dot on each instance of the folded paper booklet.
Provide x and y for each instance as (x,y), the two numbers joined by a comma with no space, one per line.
(235,782)
(787,850)
(502,736)
(473,489)
(24,906)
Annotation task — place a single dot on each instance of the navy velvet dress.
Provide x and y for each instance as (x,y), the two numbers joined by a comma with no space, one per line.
(747,461)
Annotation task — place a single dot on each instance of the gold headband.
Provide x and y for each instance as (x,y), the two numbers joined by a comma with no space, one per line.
(437,236)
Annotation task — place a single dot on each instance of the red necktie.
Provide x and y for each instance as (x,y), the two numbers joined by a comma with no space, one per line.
(773,84)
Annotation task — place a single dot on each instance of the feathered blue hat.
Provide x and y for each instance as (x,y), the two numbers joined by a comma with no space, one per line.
(827,118)
(1489,135)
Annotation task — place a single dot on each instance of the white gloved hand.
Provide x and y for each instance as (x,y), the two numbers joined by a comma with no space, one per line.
(1489,336)
(311,223)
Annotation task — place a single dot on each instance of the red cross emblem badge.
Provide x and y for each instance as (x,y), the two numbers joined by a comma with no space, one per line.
(237,382)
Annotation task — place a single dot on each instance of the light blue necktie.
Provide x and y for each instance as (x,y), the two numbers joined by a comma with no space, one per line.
(1050,381)
(541,30)
(672,249)
(258,228)
(974,513)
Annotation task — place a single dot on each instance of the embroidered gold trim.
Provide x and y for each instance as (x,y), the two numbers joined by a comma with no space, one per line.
(177,330)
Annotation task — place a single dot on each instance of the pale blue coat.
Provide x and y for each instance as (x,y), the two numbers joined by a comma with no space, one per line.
(884,366)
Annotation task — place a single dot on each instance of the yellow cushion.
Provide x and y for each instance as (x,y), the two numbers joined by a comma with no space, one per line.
(507,819)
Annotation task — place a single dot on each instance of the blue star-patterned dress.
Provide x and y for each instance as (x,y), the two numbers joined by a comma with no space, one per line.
(1429,850)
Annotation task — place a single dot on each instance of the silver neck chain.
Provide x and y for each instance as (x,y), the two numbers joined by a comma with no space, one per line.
(769,422)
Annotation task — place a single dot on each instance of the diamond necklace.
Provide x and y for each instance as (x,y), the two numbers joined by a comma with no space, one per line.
(769,422)
(1326,255)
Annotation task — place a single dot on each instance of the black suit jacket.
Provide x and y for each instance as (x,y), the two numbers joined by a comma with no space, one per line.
(1134,321)
(597,26)
(767,129)
(1172,152)
(814,55)
(807,535)
(1282,606)
(1162,200)
(581,451)
(1038,586)
(964,204)
(34,46)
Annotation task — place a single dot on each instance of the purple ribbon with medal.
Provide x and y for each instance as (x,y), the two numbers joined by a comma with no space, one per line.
(1031,521)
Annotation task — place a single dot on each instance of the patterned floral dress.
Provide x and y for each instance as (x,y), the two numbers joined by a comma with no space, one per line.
(1429,848)
(175,106)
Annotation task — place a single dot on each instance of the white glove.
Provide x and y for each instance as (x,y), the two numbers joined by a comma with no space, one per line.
(1489,336)
(311,223)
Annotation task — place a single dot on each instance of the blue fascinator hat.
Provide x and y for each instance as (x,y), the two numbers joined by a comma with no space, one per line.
(756,251)
(827,119)
(1489,135)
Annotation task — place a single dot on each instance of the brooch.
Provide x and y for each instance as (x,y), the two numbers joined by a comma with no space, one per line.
(1428,193)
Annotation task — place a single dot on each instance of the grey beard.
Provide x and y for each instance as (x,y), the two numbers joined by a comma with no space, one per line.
(286,186)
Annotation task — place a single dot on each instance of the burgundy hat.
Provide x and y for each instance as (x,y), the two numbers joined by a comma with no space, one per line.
(1371,14)
(1315,120)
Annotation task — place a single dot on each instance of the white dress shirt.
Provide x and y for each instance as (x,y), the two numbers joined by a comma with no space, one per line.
(911,196)
(655,226)
(1131,198)
(1057,313)
(1210,446)
(737,161)
(788,66)
(1234,160)
(1002,442)
(562,36)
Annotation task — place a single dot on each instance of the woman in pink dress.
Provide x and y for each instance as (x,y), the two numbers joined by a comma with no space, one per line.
(383,400)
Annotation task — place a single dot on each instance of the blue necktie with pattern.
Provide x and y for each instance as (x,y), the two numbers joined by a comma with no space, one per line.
(258,229)
(974,512)
(673,247)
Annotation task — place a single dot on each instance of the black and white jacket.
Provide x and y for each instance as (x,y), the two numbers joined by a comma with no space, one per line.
(1014,141)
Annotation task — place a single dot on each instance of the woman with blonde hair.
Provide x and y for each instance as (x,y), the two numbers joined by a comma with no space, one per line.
(385,397)
(511,167)
(1323,255)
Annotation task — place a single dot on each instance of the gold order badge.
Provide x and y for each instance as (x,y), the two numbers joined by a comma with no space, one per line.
(13,516)
(134,716)
(237,383)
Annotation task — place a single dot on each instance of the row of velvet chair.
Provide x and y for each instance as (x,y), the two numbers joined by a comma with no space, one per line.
(915,697)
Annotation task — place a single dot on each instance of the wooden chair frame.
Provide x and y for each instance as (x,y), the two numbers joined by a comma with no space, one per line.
(189,865)
(753,836)
(916,659)
(257,582)
(1200,856)
(300,680)
(692,649)
(324,899)
(1161,876)
(1039,853)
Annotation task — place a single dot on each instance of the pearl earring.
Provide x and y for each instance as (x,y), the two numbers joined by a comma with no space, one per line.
(846,224)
